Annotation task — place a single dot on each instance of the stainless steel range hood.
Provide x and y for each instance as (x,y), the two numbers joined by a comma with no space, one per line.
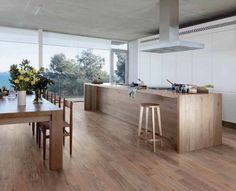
(169,32)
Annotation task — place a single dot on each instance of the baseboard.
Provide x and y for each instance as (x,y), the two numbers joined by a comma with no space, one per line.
(229,124)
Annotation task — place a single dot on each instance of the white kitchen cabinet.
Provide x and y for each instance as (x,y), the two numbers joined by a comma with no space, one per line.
(215,64)
(144,67)
(155,69)
(224,60)
(184,67)
(229,107)
(169,68)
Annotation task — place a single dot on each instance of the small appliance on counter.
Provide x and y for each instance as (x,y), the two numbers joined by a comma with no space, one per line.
(139,85)
(98,80)
(182,88)
(1,94)
(190,88)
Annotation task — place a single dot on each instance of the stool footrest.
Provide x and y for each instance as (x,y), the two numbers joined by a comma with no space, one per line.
(151,140)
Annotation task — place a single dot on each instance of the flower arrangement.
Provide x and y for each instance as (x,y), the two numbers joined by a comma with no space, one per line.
(25,78)
(40,80)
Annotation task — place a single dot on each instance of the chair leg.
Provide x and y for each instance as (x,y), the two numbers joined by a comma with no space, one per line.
(44,144)
(37,133)
(153,130)
(159,124)
(39,138)
(71,141)
(63,136)
(146,124)
(33,128)
(140,121)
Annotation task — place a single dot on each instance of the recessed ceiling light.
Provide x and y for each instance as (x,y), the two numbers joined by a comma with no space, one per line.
(38,10)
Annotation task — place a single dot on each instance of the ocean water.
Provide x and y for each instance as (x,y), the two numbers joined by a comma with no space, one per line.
(4,79)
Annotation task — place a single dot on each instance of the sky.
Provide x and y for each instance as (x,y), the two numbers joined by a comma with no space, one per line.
(14,53)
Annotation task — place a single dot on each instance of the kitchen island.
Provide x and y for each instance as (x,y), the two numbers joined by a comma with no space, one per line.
(189,121)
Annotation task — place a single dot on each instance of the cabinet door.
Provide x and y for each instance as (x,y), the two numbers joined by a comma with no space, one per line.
(168,68)
(184,67)
(144,67)
(224,60)
(155,69)
(229,107)
(202,61)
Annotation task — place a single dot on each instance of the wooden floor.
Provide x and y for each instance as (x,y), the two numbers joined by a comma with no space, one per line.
(108,156)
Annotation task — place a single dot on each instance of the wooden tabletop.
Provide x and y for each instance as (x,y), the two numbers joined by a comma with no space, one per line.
(11,113)
(8,106)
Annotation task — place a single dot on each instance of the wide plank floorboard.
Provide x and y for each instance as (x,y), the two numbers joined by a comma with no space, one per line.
(108,156)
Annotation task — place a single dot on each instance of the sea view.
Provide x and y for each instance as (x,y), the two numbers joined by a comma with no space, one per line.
(4,79)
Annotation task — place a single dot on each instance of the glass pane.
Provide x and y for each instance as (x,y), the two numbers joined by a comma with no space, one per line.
(14,53)
(120,62)
(119,45)
(71,67)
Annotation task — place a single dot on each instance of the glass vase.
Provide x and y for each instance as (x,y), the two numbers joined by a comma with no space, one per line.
(38,97)
(21,98)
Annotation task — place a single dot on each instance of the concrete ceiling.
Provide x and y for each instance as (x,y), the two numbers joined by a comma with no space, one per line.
(112,19)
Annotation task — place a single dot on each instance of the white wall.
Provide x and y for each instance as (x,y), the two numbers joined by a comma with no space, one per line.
(215,64)
(133,60)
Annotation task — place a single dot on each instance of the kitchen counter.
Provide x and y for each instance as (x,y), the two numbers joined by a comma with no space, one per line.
(165,93)
(189,121)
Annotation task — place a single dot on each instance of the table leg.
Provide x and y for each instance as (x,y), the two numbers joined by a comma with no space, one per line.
(56,136)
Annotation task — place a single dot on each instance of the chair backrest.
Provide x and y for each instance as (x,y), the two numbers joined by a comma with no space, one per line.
(57,100)
(45,94)
(50,96)
(68,104)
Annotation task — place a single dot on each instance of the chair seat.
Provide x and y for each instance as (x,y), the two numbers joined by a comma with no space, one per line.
(47,124)
(149,105)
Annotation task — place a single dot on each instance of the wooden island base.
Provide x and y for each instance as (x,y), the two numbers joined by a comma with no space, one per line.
(189,121)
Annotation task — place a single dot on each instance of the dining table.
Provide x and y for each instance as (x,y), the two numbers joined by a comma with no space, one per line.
(11,113)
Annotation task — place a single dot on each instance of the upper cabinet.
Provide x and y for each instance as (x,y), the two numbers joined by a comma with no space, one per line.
(224,60)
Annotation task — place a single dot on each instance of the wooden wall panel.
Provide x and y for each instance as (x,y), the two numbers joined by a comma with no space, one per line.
(117,103)
(200,121)
(189,121)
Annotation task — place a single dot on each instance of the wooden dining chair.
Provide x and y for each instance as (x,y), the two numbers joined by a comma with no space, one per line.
(57,100)
(45,94)
(44,127)
(50,96)
(51,99)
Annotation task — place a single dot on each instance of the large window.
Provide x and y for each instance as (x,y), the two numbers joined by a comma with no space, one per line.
(69,60)
(70,65)
(16,45)
(119,54)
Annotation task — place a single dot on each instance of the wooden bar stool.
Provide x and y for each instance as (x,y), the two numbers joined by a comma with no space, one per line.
(153,107)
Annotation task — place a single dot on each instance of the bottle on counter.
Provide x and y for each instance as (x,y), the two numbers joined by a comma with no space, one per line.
(1,94)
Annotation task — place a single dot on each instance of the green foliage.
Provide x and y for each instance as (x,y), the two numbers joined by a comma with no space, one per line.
(69,74)
(25,77)
(21,77)
(40,80)
(120,72)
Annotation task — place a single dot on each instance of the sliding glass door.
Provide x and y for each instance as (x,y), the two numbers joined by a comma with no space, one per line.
(119,62)
(119,66)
